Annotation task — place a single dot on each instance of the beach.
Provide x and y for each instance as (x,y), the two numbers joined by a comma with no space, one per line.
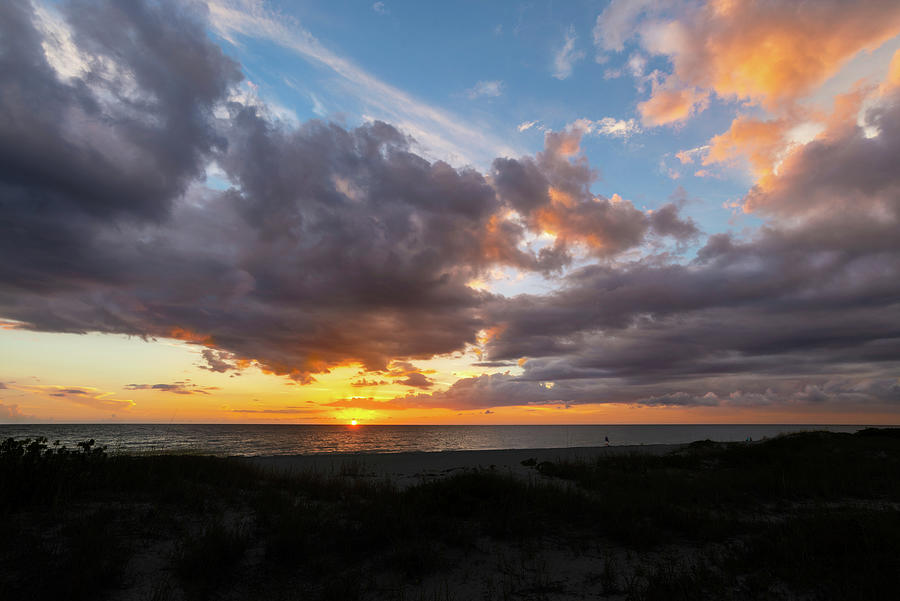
(407,469)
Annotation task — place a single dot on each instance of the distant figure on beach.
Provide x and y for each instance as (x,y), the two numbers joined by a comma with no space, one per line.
(607,440)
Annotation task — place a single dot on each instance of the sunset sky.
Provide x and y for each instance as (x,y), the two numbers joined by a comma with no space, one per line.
(462,212)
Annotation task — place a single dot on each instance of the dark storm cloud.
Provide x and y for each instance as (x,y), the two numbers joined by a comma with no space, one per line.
(416,380)
(777,309)
(845,170)
(333,247)
(118,143)
(806,310)
(83,162)
(480,392)
(665,221)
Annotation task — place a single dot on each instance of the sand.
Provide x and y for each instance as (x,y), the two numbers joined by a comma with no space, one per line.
(405,469)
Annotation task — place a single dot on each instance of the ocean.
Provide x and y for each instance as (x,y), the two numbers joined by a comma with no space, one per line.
(251,440)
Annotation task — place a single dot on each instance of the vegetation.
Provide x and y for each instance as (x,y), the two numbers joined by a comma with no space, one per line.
(811,516)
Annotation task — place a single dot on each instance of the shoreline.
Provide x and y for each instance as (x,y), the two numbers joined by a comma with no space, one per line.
(411,467)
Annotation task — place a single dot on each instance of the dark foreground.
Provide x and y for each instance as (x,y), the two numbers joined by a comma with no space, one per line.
(806,516)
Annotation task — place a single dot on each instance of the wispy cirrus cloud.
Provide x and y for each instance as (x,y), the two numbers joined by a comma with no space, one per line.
(489,89)
(86,396)
(565,58)
(440,132)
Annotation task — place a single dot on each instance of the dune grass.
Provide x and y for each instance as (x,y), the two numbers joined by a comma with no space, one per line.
(801,516)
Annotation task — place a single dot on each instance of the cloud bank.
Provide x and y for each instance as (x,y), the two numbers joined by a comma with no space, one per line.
(343,246)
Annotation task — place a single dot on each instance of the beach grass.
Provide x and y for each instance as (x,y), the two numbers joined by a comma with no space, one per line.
(805,516)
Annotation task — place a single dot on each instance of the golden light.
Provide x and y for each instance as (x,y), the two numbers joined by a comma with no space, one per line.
(353,422)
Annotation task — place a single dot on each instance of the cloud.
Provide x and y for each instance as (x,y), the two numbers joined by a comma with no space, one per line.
(184,387)
(760,142)
(803,312)
(773,52)
(607,126)
(670,103)
(366,403)
(218,361)
(616,23)
(691,155)
(565,58)
(526,125)
(343,246)
(844,171)
(12,414)
(490,89)
(340,246)
(417,380)
(364,383)
(770,53)
(787,310)
(86,396)
(138,247)
(306,412)
(552,195)
(380,8)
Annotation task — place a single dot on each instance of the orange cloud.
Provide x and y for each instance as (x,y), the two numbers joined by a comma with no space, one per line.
(190,336)
(671,104)
(893,78)
(772,53)
(758,141)
(778,51)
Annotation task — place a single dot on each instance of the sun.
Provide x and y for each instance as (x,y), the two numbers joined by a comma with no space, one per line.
(353,422)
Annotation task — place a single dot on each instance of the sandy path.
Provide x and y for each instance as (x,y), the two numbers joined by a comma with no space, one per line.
(410,468)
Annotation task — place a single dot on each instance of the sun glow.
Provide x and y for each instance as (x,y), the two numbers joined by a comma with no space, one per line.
(353,422)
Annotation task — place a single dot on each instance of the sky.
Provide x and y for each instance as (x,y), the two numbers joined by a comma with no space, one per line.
(477,213)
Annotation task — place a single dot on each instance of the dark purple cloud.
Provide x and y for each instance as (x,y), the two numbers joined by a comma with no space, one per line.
(805,310)
(416,380)
(218,361)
